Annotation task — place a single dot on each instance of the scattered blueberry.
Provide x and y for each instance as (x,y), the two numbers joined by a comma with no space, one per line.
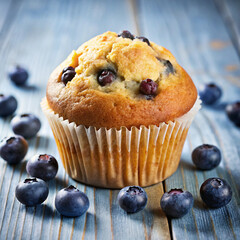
(233,112)
(216,192)
(31,192)
(176,203)
(42,166)
(206,157)
(71,202)
(106,76)
(26,125)
(8,105)
(68,74)
(148,87)
(18,75)
(13,149)
(126,34)
(143,39)
(132,199)
(210,93)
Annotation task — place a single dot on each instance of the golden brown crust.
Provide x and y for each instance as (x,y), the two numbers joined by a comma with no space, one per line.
(84,102)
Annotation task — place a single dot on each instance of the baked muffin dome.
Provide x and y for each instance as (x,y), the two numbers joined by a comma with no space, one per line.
(108,88)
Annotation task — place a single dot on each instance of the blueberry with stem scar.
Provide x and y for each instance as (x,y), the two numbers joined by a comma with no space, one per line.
(13,149)
(71,202)
(216,192)
(31,192)
(149,88)
(176,203)
(43,166)
(132,199)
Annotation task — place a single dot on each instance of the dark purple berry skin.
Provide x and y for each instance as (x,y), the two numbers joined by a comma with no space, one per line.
(18,75)
(8,105)
(233,113)
(31,192)
(132,199)
(216,192)
(210,93)
(126,34)
(148,87)
(71,202)
(68,74)
(42,166)
(168,65)
(143,39)
(26,125)
(206,157)
(176,203)
(106,77)
(69,68)
(13,149)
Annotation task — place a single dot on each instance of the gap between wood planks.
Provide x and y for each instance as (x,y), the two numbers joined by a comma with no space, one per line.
(232,30)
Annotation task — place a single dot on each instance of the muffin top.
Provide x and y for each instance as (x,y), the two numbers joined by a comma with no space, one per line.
(120,80)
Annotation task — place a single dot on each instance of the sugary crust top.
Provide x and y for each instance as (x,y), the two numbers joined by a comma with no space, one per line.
(84,101)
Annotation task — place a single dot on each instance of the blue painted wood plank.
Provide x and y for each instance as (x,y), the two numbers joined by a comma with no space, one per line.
(229,11)
(40,35)
(194,32)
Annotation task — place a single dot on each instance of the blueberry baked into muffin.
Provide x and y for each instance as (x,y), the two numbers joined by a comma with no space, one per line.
(120,107)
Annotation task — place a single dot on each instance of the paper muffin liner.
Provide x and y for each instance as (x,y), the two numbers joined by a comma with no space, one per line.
(114,158)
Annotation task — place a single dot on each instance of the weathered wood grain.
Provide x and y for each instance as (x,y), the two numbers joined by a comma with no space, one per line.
(229,11)
(39,35)
(194,32)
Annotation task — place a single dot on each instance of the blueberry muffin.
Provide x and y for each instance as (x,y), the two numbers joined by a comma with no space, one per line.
(120,107)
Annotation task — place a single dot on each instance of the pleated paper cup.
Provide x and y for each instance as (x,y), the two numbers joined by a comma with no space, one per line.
(114,158)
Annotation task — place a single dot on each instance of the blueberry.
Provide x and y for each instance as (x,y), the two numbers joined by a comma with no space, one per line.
(176,203)
(210,93)
(31,192)
(168,65)
(233,112)
(126,34)
(8,105)
(143,39)
(68,74)
(69,68)
(132,199)
(18,75)
(26,125)
(216,192)
(106,76)
(42,166)
(148,87)
(71,202)
(206,157)
(13,149)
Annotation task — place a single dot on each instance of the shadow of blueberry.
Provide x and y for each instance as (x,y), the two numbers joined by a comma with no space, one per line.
(217,107)
(199,204)
(33,88)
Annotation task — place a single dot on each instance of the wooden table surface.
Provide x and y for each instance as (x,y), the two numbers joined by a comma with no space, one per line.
(203,35)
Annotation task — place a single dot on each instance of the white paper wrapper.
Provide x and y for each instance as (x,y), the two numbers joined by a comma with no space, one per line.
(114,158)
